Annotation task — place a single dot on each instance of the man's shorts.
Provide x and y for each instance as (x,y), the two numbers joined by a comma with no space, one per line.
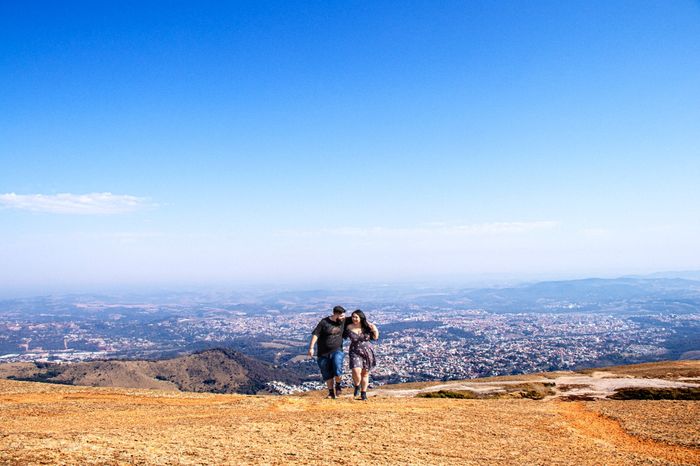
(331,365)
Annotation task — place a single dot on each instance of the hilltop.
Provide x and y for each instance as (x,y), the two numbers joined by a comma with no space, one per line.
(215,371)
(51,423)
(589,384)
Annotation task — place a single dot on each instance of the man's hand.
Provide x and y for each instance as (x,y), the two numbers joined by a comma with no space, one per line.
(314,339)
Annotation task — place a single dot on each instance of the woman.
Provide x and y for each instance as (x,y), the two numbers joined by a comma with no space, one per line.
(361,353)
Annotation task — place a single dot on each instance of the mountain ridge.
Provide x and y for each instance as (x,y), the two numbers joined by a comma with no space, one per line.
(218,370)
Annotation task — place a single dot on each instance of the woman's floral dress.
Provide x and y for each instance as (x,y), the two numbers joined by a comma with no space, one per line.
(361,351)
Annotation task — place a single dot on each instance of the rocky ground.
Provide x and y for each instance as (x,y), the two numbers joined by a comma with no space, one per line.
(53,424)
(591,384)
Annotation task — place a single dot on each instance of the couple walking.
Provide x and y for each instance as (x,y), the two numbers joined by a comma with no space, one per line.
(329,334)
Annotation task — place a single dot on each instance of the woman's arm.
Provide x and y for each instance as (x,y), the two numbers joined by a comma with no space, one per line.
(375,331)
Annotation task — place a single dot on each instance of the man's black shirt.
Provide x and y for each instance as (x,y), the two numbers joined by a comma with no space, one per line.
(330,335)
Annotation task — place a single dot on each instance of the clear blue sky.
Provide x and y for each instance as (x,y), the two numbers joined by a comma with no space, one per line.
(306,142)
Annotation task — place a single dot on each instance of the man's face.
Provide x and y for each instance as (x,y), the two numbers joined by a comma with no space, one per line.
(339,317)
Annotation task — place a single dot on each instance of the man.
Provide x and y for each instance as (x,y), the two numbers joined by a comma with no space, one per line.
(329,336)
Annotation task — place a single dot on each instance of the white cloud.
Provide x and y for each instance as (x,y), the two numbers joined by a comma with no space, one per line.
(506,227)
(596,232)
(478,229)
(67,203)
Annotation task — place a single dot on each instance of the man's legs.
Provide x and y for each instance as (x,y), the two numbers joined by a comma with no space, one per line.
(331,388)
(338,357)
(325,364)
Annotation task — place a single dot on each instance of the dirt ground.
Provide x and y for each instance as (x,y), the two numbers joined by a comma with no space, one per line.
(596,384)
(49,424)
(675,422)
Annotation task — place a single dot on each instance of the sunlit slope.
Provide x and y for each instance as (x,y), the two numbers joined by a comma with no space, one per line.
(215,370)
(42,423)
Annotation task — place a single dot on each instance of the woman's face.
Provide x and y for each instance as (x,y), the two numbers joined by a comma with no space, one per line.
(356,319)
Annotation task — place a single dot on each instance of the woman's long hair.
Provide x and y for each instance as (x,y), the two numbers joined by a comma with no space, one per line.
(363,321)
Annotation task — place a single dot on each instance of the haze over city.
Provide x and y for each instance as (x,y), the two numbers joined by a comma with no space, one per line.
(287,143)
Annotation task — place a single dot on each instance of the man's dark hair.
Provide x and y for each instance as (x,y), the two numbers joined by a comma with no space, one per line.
(338,310)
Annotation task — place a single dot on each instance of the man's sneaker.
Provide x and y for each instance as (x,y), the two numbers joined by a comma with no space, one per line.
(331,394)
(364,396)
(357,391)
(338,389)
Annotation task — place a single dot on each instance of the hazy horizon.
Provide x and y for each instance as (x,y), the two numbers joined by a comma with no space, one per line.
(287,144)
(272,287)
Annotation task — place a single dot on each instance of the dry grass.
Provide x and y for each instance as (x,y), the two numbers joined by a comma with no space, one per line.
(657,370)
(676,422)
(532,391)
(644,393)
(80,425)
(501,378)
(18,369)
(572,386)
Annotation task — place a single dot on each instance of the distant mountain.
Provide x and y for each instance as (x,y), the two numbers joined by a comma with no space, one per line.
(586,294)
(214,371)
(684,274)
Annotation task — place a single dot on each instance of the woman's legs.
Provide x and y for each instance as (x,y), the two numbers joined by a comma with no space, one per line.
(365,379)
(356,376)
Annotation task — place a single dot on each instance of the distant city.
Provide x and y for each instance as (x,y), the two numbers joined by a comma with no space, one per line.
(426,334)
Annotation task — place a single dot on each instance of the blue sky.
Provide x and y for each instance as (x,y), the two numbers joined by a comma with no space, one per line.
(230,143)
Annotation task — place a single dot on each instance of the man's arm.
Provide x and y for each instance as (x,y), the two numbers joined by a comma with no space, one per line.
(314,339)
